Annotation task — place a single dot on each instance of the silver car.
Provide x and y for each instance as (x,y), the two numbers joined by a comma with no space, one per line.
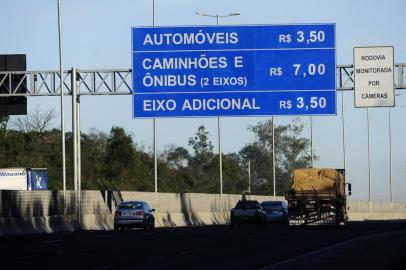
(134,214)
(276,211)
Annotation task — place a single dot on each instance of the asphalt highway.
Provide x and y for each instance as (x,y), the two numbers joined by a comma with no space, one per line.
(358,245)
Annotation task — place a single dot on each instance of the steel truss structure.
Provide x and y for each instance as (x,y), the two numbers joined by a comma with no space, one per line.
(113,82)
(118,81)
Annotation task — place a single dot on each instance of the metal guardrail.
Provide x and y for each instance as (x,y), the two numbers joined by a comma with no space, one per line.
(118,81)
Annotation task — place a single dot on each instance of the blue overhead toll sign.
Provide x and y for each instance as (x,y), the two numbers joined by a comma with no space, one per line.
(233,70)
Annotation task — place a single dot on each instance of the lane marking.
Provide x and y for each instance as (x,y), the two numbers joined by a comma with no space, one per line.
(53,241)
(281,263)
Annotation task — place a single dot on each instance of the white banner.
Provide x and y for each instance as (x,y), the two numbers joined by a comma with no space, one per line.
(13,179)
(374,82)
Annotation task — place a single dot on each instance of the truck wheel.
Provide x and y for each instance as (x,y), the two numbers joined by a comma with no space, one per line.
(338,218)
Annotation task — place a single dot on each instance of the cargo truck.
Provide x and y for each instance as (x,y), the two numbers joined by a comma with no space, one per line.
(318,196)
(23,179)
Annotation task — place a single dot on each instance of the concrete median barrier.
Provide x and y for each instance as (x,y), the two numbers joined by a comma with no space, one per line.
(24,212)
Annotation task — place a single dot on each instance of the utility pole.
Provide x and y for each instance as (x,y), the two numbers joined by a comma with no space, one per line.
(154,124)
(273,158)
(61,80)
(249,176)
(218,16)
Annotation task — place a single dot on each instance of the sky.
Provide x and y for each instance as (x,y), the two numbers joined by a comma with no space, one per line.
(96,35)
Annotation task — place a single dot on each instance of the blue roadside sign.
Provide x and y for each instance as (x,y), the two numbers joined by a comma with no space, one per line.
(37,179)
(234,70)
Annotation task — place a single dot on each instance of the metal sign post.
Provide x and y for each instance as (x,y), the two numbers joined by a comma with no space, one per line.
(311,142)
(218,16)
(61,76)
(249,176)
(374,85)
(273,159)
(154,125)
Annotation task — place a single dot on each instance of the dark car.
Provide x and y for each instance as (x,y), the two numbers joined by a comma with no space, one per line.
(134,214)
(247,212)
(276,211)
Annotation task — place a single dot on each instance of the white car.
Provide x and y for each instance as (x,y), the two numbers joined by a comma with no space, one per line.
(247,212)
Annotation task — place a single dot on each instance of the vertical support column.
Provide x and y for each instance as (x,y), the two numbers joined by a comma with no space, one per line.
(79,156)
(219,136)
(369,164)
(311,142)
(400,76)
(249,176)
(74,133)
(62,102)
(390,156)
(154,124)
(155,156)
(343,127)
(273,158)
(220,154)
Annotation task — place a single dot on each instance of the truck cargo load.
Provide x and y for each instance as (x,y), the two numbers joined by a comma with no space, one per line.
(23,179)
(317,196)
(318,180)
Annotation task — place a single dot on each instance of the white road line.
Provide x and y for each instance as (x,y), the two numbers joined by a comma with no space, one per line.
(281,263)
(53,241)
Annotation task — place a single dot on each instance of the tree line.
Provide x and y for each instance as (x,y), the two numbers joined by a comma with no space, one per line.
(112,161)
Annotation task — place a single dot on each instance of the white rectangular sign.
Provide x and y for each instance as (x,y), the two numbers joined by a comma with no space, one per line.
(374,77)
(13,179)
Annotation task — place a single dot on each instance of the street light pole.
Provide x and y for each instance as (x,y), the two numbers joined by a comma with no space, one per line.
(369,162)
(343,127)
(219,136)
(311,141)
(249,176)
(62,105)
(154,124)
(218,16)
(273,158)
(390,155)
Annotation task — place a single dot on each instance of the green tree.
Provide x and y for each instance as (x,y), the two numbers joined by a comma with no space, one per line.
(202,146)
(3,123)
(119,159)
(291,151)
(261,167)
(202,175)
(176,156)
(94,154)
(3,137)
(234,179)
